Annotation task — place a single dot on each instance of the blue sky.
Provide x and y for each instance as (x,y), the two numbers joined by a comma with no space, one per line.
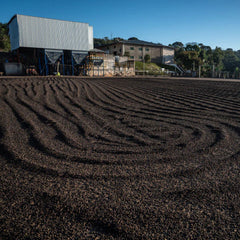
(211,22)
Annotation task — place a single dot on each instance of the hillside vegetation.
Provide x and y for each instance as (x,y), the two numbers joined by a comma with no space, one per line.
(150,68)
(195,56)
(4,38)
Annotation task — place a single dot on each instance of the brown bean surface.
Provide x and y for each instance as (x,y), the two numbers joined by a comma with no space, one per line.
(120,158)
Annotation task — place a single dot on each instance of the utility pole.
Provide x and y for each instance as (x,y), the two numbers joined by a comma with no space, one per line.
(193,71)
(213,70)
(199,71)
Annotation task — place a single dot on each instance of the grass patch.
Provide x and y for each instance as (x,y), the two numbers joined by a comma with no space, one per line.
(149,68)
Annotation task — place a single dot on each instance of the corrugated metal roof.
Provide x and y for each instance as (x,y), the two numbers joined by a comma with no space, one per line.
(140,43)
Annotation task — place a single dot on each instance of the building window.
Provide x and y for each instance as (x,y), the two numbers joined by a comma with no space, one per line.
(147,49)
(132,57)
(120,50)
(140,49)
(131,48)
(114,46)
(140,57)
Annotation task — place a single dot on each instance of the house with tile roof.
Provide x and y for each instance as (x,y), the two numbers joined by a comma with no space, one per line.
(137,50)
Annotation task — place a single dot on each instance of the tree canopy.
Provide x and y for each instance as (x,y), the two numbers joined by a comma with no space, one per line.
(4,38)
(192,56)
(133,38)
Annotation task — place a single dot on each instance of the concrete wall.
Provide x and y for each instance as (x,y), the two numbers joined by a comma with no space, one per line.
(155,54)
(167,56)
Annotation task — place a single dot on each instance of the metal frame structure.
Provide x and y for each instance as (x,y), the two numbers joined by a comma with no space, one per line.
(39,38)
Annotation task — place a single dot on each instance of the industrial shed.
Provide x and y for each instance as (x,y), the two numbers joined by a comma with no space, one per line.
(50,45)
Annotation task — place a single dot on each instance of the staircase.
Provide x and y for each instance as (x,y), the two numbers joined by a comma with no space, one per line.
(179,68)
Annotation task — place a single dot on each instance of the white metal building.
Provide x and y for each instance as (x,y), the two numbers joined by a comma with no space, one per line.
(36,32)
(50,42)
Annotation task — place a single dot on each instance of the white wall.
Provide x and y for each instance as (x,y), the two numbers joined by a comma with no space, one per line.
(90,37)
(35,32)
(168,56)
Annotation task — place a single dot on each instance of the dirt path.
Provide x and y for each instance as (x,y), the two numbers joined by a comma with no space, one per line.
(119,158)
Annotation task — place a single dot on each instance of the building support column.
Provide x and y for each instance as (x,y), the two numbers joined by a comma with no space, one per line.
(72,66)
(63,63)
(46,62)
(39,65)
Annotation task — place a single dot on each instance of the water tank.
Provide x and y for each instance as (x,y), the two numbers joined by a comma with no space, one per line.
(13,69)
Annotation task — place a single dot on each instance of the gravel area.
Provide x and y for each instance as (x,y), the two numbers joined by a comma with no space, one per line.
(119,158)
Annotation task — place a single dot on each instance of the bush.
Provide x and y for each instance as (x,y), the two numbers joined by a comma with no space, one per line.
(147,58)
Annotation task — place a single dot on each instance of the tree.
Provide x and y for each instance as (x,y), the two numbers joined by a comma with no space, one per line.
(218,56)
(191,47)
(4,38)
(230,61)
(238,53)
(183,59)
(177,45)
(133,38)
(98,42)
(147,58)
(117,39)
